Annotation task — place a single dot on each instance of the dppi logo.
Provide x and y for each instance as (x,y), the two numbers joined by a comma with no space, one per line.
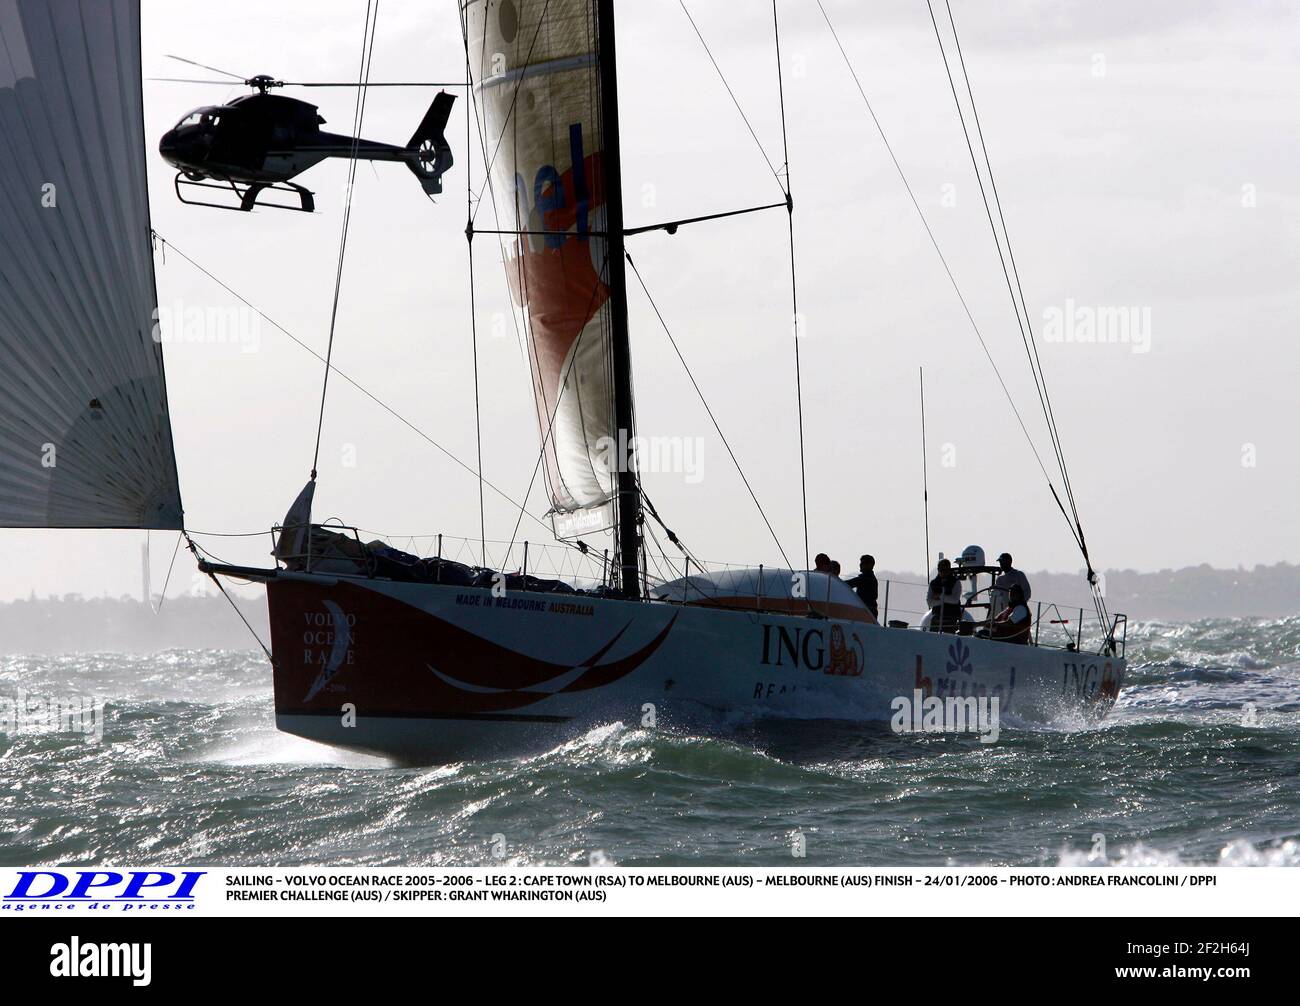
(132,890)
(806,648)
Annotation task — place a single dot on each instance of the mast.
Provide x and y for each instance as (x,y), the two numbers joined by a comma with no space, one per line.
(629,494)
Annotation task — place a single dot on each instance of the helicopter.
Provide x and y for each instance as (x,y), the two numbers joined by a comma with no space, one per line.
(257,142)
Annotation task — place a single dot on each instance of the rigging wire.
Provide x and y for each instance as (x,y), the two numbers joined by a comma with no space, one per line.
(168,579)
(925,475)
(671,225)
(934,242)
(732,94)
(653,557)
(148,556)
(997,238)
(1031,345)
(1014,288)
(194,550)
(722,436)
(164,243)
(783,180)
(473,316)
(672,536)
(794,287)
(367,52)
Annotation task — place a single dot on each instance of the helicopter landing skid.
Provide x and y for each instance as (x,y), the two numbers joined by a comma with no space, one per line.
(246,194)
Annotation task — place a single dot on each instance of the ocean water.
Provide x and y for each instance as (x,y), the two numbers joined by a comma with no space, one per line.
(1199,763)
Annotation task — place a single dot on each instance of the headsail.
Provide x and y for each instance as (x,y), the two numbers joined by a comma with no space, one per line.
(537,80)
(85,435)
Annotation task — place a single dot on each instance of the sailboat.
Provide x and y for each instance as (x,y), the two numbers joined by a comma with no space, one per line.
(425,658)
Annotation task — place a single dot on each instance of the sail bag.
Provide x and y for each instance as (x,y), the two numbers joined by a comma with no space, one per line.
(85,435)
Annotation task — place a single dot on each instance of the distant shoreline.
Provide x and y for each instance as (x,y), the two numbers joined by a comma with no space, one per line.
(73,624)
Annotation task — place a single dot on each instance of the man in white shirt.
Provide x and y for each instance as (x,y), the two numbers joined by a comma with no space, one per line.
(1010,577)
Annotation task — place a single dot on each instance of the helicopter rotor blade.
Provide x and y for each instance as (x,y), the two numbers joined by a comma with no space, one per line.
(204,66)
(190,80)
(353,83)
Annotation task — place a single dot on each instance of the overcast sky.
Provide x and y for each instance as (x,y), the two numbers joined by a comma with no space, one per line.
(1146,159)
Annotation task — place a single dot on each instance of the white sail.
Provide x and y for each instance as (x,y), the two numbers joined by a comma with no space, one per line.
(85,435)
(537,87)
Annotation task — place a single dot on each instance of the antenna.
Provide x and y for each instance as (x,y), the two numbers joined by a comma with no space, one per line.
(925,475)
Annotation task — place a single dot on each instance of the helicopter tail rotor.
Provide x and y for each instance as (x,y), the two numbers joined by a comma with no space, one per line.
(429,154)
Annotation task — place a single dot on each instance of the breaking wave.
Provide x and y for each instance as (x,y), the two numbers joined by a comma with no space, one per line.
(1195,766)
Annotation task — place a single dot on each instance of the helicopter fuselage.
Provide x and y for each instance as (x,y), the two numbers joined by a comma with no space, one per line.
(261,139)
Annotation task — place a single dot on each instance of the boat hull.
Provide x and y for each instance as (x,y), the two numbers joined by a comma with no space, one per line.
(432,673)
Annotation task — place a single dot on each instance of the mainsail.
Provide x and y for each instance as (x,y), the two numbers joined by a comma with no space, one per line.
(537,79)
(85,435)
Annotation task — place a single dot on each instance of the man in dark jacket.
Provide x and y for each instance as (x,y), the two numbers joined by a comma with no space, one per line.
(866,585)
(944,599)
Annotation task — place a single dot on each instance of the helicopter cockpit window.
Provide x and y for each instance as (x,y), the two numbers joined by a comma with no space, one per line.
(200,117)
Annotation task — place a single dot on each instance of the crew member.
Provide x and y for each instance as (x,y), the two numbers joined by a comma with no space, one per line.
(866,585)
(1010,577)
(1012,624)
(822,563)
(944,599)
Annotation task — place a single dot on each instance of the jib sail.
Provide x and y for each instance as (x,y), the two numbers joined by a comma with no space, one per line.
(536,76)
(85,435)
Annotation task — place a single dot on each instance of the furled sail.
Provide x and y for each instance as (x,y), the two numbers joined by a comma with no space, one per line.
(537,87)
(85,435)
